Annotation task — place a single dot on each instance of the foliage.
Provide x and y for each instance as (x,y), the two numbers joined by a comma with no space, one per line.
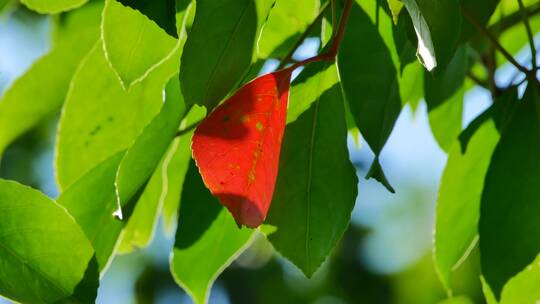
(143,85)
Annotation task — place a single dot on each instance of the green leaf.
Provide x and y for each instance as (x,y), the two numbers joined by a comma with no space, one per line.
(43,251)
(458,204)
(523,288)
(220,48)
(286,22)
(369,77)
(481,11)
(52,6)
(317,185)
(438,28)
(134,45)
(411,85)
(444,94)
(100,118)
(177,169)
(207,239)
(49,77)
(162,12)
(146,163)
(457,300)
(91,200)
(511,199)
(142,158)
(307,88)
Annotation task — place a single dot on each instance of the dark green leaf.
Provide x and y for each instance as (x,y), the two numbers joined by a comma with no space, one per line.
(317,185)
(369,78)
(20,110)
(511,198)
(44,254)
(481,11)
(162,12)
(220,48)
(207,239)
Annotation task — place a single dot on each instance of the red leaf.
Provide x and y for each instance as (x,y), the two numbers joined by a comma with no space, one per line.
(237,146)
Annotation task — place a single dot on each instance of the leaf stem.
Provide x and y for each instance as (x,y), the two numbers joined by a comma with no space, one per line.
(304,35)
(494,41)
(188,128)
(336,41)
(529,33)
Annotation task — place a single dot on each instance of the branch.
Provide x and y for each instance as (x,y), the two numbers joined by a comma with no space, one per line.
(494,41)
(514,18)
(529,33)
(480,82)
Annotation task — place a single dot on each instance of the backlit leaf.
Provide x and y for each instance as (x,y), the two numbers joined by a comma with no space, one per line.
(44,254)
(134,45)
(207,239)
(237,147)
(317,185)
(52,6)
(509,223)
(20,110)
(523,288)
(91,200)
(100,118)
(220,48)
(286,22)
(458,205)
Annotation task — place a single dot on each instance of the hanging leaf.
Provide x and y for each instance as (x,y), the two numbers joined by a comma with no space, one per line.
(374,101)
(20,110)
(134,45)
(458,205)
(52,6)
(44,254)
(317,184)
(207,239)
(145,153)
(237,147)
(100,118)
(162,12)
(286,22)
(220,48)
(509,223)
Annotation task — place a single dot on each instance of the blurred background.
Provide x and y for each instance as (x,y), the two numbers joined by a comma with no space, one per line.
(384,257)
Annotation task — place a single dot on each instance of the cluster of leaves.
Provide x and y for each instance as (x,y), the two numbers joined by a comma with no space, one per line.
(134,78)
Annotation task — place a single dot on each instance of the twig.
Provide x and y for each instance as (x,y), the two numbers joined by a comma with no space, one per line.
(529,33)
(494,41)
(512,19)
